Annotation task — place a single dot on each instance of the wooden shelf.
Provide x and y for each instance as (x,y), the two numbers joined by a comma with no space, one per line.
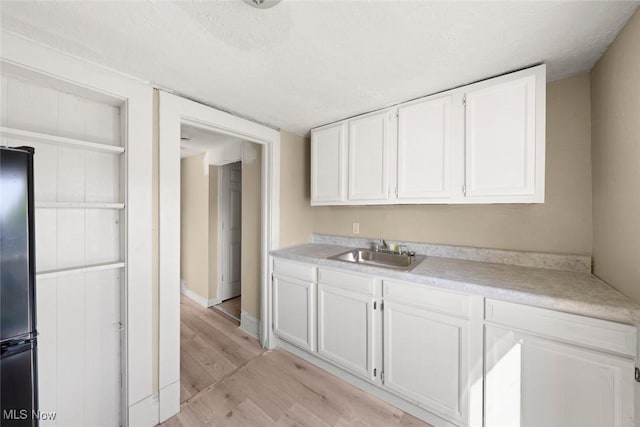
(79,205)
(78,270)
(60,140)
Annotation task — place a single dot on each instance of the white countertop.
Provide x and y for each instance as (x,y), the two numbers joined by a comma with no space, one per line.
(568,291)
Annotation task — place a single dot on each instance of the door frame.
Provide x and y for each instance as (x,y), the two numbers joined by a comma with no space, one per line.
(172,113)
(53,67)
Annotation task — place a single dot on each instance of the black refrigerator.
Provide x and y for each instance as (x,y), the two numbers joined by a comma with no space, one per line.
(18,336)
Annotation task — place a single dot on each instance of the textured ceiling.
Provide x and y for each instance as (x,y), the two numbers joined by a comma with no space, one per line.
(306,63)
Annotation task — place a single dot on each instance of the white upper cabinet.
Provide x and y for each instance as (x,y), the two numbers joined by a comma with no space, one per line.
(425,143)
(328,164)
(480,143)
(369,140)
(504,142)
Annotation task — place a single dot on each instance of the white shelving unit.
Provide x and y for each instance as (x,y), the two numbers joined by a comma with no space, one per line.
(78,205)
(79,183)
(27,135)
(86,269)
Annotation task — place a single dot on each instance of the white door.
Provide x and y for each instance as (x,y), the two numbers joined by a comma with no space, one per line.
(501,134)
(534,382)
(346,329)
(426,358)
(79,220)
(328,164)
(294,311)
(425,149)
(231,229)
(369,141)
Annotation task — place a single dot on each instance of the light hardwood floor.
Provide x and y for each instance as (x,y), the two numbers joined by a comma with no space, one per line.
(231,307)
(227,379)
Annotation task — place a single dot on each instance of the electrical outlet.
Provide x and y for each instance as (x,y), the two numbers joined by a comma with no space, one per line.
(356,228)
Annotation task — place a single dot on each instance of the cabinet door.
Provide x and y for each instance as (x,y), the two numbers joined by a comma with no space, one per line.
(426,358)
(369,157)
(294,311)
(425,149)
(328,164)
(504,146)
(346,329)
(537,382)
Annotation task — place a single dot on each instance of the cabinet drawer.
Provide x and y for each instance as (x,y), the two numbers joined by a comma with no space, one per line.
(424,296)
(348,281)
(294,270)
(602,334)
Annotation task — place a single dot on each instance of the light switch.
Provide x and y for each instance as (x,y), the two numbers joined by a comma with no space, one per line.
(356,228)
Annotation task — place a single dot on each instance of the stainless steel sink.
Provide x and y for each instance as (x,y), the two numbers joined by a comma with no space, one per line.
(380,259)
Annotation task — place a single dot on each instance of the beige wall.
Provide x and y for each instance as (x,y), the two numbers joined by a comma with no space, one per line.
(213,232)
(615,100)
(562,224)
(194,224)
(251,226)
(296,214)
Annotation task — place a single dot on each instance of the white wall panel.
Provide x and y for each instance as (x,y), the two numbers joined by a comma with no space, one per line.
(46,239)
(70,238)
(47,324)
(102,348)
(45,165)
(102,238)
(71,174)
(102,176)
(3,100)
(103,123)
(31,107)
(70,350)
(71,116)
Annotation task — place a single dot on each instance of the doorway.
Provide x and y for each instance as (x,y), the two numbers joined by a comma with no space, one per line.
(174,112)
(211,204)
(214,274)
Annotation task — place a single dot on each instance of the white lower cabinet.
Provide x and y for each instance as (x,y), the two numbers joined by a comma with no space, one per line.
(553,369)
(532,381)
(294,303)
(426,358)
(347,326)
(455,359)
(294,311)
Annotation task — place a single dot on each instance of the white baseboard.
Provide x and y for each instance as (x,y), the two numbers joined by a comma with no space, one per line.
(142,414)
(169,401)
(249,324)
(197,297)
(155,408)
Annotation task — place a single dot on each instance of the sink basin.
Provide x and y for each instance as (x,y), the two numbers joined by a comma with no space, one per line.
(380,259)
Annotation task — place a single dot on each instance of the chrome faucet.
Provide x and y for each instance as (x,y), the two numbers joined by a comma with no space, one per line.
(381,246)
